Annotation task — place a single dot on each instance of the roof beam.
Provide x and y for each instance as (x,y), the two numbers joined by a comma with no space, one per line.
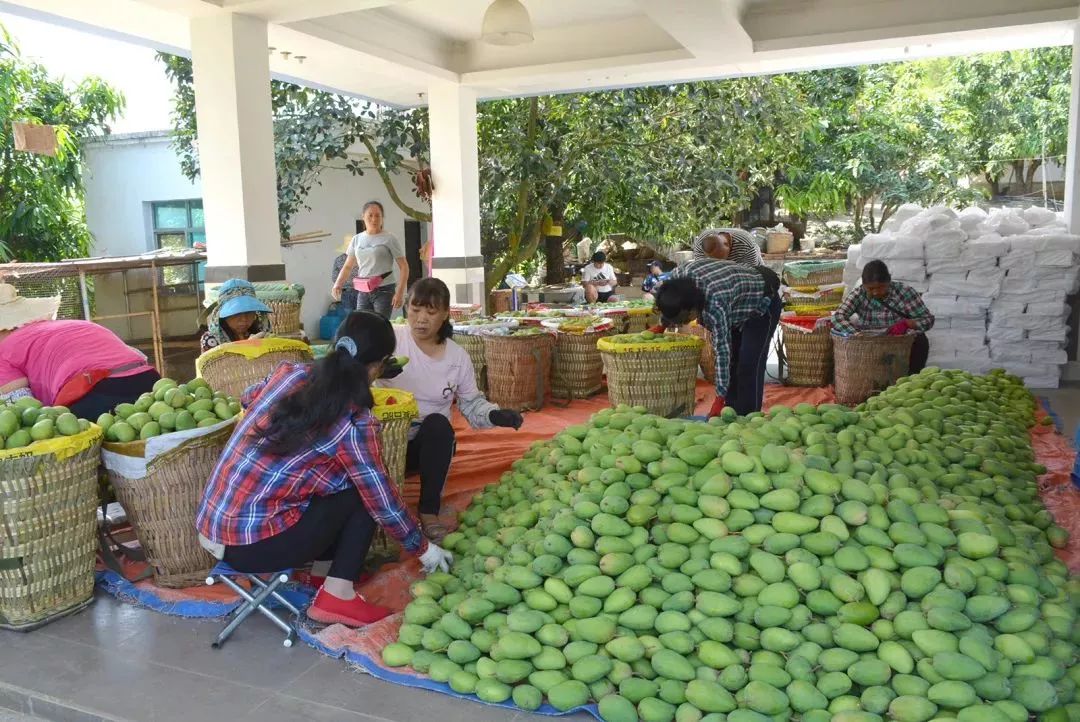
(707,28)
(796,25)
(291,11)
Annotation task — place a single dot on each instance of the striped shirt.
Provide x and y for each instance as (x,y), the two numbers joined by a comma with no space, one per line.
(743,248)
(254,494)
(733,295)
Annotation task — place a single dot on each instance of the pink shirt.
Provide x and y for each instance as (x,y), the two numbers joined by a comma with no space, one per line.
(49,353)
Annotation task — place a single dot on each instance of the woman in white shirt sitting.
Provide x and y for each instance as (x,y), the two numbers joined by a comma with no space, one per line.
(598,279)
(438,373)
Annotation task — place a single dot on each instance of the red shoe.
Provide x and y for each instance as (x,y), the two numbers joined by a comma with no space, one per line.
(328,609)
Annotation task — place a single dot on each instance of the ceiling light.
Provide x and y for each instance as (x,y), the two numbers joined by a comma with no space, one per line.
(507,22)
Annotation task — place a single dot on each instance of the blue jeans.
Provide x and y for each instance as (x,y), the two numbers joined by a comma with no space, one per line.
(380,301)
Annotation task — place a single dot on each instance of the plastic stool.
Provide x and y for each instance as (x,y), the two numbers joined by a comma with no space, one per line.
(259,601)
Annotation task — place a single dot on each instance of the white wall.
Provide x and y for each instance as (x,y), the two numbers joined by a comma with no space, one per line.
(126,173)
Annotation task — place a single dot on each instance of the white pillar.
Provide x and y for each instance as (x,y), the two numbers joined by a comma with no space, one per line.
(455,204)
(231,70)
(1072,188)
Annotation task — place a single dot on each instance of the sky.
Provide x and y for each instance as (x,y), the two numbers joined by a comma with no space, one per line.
(73,55)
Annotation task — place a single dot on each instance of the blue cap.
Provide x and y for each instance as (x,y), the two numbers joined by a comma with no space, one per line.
(237,296)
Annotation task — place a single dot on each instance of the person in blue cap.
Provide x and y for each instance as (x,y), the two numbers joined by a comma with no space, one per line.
(237,315)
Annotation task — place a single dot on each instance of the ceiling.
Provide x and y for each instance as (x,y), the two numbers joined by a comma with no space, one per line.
(392,50)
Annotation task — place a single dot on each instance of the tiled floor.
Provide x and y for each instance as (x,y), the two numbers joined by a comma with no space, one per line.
(114,661)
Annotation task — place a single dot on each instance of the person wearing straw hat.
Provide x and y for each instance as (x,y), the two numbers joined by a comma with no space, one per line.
(77,364)
(881,304)
(237,315)
(728,244)
(439,372)
(302,478)
(724,296)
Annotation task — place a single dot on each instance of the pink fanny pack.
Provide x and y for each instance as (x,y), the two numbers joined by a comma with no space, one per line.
(369,283)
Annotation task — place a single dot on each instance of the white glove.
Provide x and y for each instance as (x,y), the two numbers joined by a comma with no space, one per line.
(436,558)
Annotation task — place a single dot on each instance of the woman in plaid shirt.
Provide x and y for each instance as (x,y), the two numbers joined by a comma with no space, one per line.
(303,479)
(881,304)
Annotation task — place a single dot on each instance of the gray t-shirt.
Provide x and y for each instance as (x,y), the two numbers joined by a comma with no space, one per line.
(375,255)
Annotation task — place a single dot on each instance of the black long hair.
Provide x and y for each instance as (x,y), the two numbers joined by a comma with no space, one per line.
(434,294)
(676,298)
(337,383)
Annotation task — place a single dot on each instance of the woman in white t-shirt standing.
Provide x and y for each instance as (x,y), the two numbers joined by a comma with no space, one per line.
(438,373)
(599,280)
(374,254)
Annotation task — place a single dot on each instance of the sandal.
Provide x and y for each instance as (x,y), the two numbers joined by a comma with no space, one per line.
(434,528)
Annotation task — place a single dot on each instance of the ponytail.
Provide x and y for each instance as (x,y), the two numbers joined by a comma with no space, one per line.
(446,330)
(336,385)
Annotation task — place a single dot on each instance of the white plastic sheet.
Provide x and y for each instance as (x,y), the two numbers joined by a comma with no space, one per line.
(134,467)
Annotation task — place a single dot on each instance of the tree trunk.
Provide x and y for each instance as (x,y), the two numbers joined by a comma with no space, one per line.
(1029,175)
(556,266)
(995,184)
(1018,177)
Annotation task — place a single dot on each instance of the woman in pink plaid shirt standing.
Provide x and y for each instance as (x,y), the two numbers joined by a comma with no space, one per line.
(303,478)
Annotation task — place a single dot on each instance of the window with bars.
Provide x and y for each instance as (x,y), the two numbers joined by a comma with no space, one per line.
(179,225)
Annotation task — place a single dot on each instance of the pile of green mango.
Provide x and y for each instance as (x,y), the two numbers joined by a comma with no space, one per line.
(27,420)
(891,562)
(648,337)
(169,407)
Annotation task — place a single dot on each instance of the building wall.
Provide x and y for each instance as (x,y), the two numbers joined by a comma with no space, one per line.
(125,174)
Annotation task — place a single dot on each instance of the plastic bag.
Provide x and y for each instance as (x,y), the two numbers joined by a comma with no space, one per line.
(1054,259)
(1039,216)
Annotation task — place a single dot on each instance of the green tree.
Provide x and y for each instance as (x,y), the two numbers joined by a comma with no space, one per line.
(41,197)
(656,163)
(314,129)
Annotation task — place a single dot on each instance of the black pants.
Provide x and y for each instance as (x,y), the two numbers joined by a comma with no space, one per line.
(920,351)
(336,527)
(107,394)
(430,453)
(749,355)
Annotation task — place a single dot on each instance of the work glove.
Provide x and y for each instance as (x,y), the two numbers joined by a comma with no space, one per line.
(436,558)
(898,329)
(391,369)
(506,417)
(718,405)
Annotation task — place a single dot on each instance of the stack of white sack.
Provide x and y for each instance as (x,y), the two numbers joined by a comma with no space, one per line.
(852,269)
(996,283)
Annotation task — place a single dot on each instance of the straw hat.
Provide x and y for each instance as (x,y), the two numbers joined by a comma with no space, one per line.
(17,311)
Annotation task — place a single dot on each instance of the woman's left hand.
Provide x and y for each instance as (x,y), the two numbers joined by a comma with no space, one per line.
(398,300)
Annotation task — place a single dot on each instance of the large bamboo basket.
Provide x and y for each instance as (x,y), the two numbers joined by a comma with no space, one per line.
(866,365)
(577,371)
(809,355)
(396,410)
(813,273)
(640,319)
(707,360)
(232,367)
(474,346)
(519,370)
(659,376)
(48,503)
(162,505)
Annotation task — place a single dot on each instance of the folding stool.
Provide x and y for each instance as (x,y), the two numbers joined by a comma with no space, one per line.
(264,593)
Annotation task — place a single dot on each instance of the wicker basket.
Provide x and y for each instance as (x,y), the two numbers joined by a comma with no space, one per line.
(524,364)
(708,356)
(638,320)
(460,312)
(813,273)
(232,367)
(659,376)
(474,346)
(809,356)
(866,365)
(49,503)
(396,418)
(577,371)
(163,504)
(284,318)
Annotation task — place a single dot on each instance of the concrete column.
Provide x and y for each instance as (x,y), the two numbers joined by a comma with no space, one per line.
(1072,194)
(455,204)
(231,70)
